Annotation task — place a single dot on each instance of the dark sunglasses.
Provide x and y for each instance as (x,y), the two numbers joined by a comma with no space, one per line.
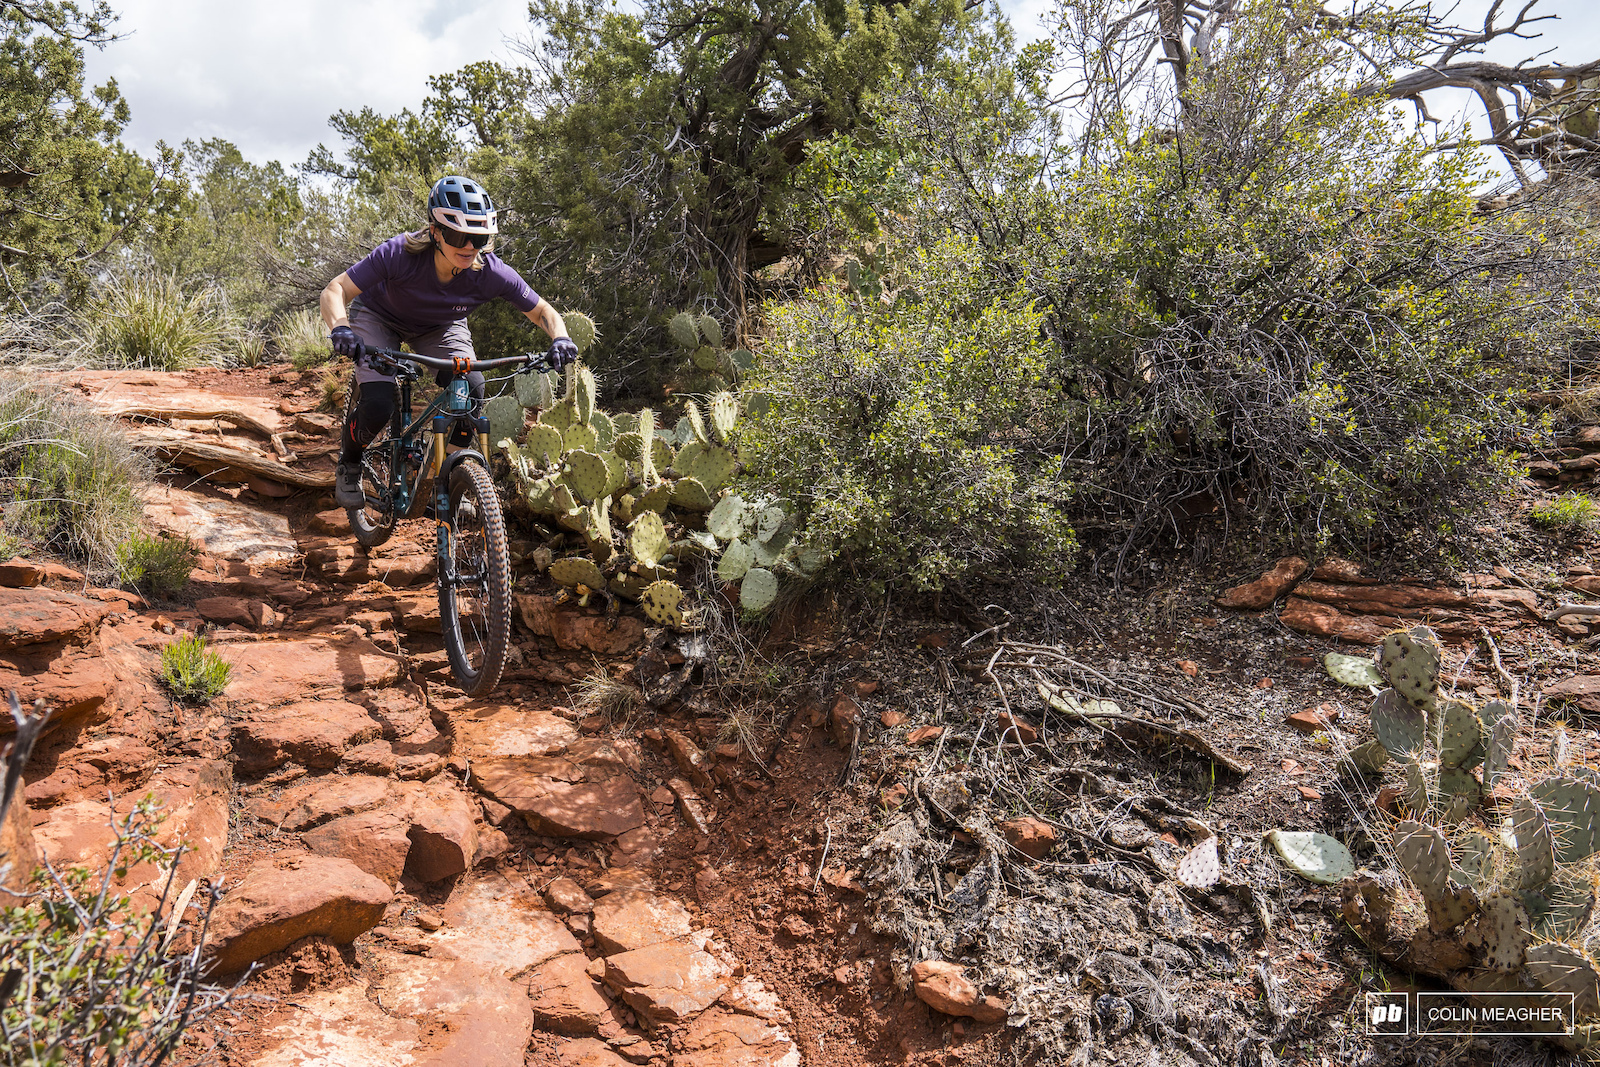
(457,239)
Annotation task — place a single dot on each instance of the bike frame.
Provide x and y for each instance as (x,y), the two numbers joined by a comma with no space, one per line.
(450,407)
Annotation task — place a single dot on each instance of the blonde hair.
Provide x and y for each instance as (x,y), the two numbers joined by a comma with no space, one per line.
(421,241)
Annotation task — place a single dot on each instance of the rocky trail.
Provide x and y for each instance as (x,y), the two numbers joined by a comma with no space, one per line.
(426,879)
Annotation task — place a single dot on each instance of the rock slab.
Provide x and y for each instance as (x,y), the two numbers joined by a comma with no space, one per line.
(290,896)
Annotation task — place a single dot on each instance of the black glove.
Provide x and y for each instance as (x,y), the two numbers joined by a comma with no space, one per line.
(562,352)
(346,343)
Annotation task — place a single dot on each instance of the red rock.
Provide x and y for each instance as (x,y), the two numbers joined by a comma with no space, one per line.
(630,919)
(106,764)
(290,896)
(41,616)
(615,878)
(588,1052)
(305,1029)
(1015,730)
(934,639)
(892,719)
(1342,570)
(689,757)
(17,849)
(1029,836)
(20,574)
(1310,720)
(501,730)
(1586,583)
(334,523)
(78,687)
(444,832)
(499,921)
(943,987)
(374,841)
(567,896)
(573,630)
(1308,793)
(718,1038)
(314,801)
(844,718)
(226,609)
(565,998)
(895,795)
(1388,599)
(558,799)
(612,754)
(312,733)
(272,671)
(374,757)
(923,734)
(1265,590)
(1310,617)
(471,1015)
(669,982)
(1189,667)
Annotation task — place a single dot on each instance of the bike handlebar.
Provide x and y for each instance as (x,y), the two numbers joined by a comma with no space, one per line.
(462,365)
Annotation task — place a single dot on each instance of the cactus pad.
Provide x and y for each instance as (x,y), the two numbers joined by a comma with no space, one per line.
(713,467)
(1536,857)
(630,446)
(742,359)
(1573,807)
(735,561)
(505,419)
(573,571)
(1357,671)
(686,457)
(661,455)
(583,393)
(1201,868)
(1460,791)
(711,330)
(559,415)
(587,475)
(660,602)
(1564,969)
(758,590)
(580,437)
(729,520)
(1410,662)
(1454,907)
(616,472)
(769,522)
(1569,902)
(697,426)
(1475,856)
(1424,857)
(536,390)
(1366,758)
(1504,930)
(580,328)
(1315,857)
(626,421)
(684,332)
(724,415)
(657,499)
(1399,727)
(1419,797)
(704,358)
(1460,738)
(649,539)
(544,444)
(687,492)
(605,431)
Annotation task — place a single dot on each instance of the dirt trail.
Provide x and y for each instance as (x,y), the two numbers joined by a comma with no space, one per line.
(425,879)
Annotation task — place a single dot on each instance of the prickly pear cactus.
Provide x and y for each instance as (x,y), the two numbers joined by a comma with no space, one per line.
(1399,727)
(1504,931)
(759,589)
(1460,737)
(660,602)
(574,571)
(1354,671)
(684,330)
(581,329)
(1410,663)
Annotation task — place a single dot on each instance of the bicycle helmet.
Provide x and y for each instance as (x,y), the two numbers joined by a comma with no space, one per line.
(463,205)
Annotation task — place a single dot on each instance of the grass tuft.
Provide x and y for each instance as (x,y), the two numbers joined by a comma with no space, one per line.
(601,694)
(301,338)
(70,480)
(194,673)
(1569,513)
(156,564)
(148,321)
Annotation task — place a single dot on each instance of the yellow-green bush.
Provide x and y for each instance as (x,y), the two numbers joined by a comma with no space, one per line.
(150,321)
(915,436)
(156,563)
(193,672)
(302,339)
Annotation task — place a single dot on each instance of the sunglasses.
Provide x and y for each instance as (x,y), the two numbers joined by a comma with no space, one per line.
(457,239)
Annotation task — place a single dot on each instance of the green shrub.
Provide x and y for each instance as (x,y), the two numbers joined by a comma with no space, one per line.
(193,672)
(148,321)
(302,339)
(1568,512)
(69,478)
(158,563)
(916,437)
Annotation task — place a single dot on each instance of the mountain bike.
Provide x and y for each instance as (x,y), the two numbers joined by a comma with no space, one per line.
(406,473)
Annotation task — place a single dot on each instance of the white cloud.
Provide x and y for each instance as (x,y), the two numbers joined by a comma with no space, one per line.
(266,76)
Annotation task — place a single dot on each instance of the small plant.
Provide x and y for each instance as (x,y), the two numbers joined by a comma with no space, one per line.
(1568,512)
(158,564)
(252,350)
(333,383)
(150,322)
(192,671)
(302,339)
(601,694)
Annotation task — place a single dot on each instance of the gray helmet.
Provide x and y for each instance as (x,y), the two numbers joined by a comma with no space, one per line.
(462,204)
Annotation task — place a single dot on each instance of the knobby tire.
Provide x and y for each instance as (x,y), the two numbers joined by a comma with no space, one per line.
(373,523)
(476,617)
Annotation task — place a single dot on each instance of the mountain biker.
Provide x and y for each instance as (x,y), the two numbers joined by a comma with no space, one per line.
(418,288)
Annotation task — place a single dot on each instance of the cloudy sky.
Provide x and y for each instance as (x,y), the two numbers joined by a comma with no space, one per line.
(266,74)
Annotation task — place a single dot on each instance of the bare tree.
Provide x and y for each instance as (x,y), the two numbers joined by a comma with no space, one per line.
(1125,63)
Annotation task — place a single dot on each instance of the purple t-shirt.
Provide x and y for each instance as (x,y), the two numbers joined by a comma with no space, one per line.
(405,287)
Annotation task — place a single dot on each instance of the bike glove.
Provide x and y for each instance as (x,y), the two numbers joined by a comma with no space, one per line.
(563,352)
(346,343)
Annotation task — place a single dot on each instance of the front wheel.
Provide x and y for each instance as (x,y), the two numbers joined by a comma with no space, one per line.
(475,581)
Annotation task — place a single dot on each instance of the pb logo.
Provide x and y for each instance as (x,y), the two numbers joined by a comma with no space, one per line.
(1387,1014)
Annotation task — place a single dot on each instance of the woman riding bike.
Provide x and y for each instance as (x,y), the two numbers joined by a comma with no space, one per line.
(418,288)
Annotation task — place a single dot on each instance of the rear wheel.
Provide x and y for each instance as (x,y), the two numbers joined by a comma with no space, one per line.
(475,584)
(373,522)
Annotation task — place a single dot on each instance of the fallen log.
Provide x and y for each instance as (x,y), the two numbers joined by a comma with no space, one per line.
(206,457)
